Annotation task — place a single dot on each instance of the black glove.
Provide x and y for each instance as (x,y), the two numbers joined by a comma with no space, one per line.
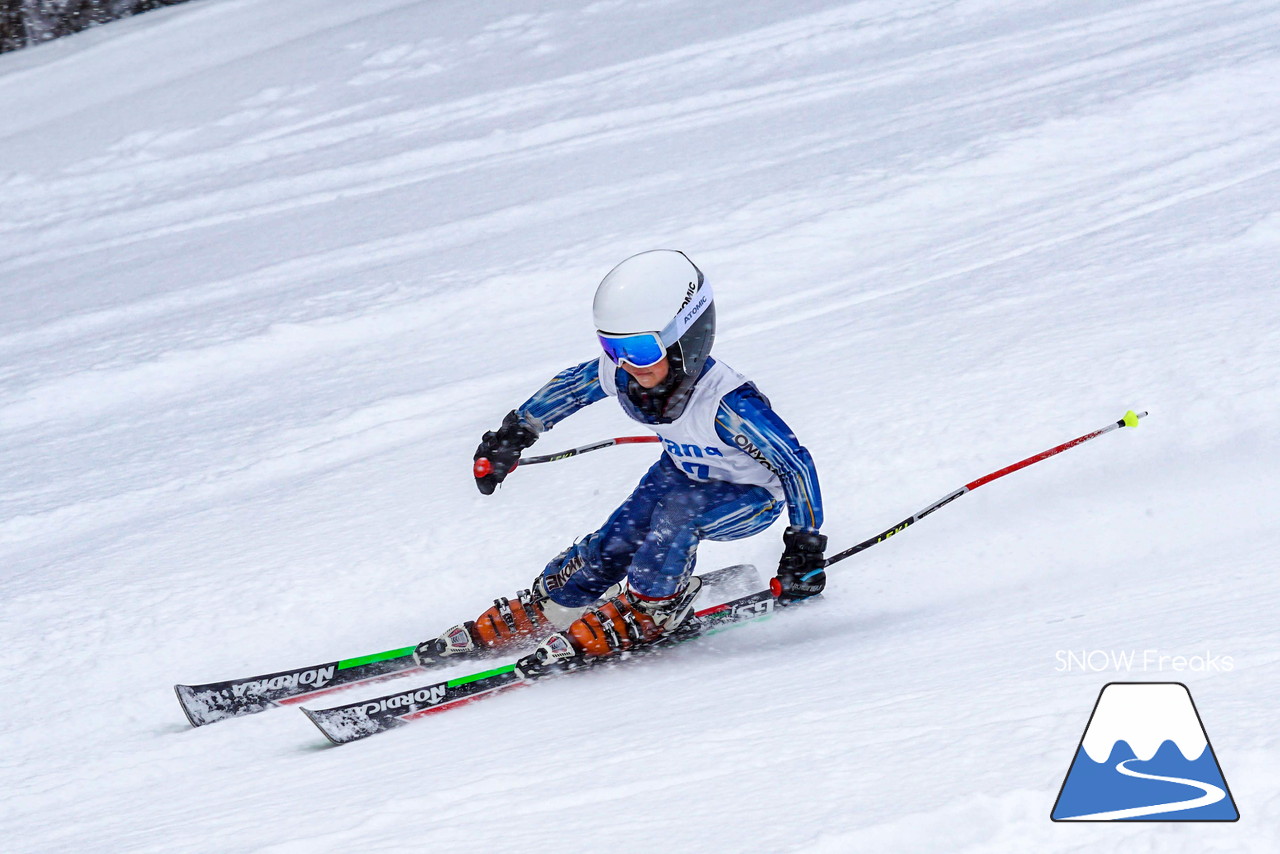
(502,449)
(801,556)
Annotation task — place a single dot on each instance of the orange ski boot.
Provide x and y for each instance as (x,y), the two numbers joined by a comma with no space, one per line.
(624,622)
(531,615)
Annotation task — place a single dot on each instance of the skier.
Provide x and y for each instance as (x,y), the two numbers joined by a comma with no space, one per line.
(728,465)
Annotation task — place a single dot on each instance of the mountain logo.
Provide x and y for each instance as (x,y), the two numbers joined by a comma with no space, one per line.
(1145,756)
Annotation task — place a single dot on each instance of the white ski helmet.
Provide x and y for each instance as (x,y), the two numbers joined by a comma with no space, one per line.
(654,304)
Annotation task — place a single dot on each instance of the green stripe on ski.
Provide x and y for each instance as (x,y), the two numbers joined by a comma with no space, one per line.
(377,656)
(476,677)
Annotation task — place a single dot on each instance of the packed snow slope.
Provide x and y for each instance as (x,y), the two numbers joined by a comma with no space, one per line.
(268,268)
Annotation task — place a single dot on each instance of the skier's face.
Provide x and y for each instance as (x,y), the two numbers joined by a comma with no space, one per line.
(650,376)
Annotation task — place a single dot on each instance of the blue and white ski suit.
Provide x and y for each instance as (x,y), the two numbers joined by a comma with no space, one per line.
(729,464)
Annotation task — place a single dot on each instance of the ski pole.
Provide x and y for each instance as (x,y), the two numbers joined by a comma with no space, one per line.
(1130,419)
(483,467)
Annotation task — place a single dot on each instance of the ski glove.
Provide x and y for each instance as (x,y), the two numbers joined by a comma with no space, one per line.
(502,449)
(800,571)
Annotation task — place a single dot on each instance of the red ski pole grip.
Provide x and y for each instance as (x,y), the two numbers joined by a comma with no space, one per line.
(482,468)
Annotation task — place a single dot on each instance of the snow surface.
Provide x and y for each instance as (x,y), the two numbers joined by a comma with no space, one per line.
(269,267)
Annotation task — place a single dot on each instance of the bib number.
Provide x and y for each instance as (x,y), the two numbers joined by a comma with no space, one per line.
(699,470)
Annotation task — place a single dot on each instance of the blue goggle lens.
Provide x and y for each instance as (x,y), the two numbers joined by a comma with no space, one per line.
(641,350)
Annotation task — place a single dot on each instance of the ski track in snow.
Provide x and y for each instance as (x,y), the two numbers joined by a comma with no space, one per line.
(268,269)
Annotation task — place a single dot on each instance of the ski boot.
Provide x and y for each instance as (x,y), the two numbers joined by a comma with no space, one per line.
(531,615)
(624,622)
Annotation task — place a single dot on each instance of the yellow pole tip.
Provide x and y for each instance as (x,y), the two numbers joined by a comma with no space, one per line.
(1131,419)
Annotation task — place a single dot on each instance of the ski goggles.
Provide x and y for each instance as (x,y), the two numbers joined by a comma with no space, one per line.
(645,349)
(642,349)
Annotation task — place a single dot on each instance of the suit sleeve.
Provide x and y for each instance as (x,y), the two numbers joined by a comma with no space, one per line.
(745,411)
(566,393)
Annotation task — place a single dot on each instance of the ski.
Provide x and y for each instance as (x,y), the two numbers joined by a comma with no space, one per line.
(343,724)
(219,701)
